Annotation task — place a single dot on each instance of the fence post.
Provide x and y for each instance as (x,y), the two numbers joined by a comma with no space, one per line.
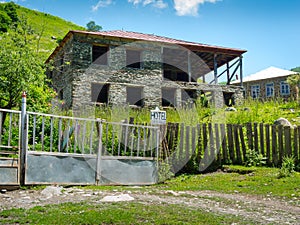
(24,141)
(99,155)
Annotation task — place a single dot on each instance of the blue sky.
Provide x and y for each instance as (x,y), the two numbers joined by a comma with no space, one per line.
(267,29)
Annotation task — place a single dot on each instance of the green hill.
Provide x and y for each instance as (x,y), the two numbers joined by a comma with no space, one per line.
(50,29)
(296,69)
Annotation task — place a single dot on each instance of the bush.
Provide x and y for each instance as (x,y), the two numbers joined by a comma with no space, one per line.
(287,167)
(253,158)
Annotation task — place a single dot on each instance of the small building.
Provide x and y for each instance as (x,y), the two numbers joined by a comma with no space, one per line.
(136,69)
(268,83)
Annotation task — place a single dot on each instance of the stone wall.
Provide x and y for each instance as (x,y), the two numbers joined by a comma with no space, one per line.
(75,81)
(262,84)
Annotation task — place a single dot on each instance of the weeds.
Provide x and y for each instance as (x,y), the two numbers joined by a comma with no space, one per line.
(253,158)
(287,167)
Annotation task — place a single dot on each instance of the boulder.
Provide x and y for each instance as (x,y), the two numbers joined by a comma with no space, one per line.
(284,122)
(51,191)
(117,198)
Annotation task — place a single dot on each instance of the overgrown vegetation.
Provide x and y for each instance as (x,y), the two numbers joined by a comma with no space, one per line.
(254,159)
(249,112)
(287,167)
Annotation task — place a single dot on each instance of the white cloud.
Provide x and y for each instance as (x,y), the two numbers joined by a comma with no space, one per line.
(101,4)
(147,2)
(135,2)
(189,7)
(160,4)
(155,3)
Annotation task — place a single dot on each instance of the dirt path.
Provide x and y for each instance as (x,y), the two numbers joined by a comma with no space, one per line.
(255,208)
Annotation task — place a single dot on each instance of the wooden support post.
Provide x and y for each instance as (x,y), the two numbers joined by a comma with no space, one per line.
(241,71)
(189,66)
(215,69)
(228,73)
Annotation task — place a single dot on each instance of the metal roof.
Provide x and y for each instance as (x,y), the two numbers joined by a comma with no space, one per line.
(206,52)
(271,72)
(152,37)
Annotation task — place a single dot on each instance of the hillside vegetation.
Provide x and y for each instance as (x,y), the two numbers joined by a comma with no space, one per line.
(49,29)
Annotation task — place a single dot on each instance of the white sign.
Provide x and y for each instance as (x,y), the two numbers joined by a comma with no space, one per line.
(158,117)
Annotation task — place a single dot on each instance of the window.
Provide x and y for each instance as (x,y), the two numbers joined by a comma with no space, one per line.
(61,95)
(135,96)
(228,98)
(175,65)
(255,90)
(284,88)
(168,97)
(99,55)
(133,59)
(100,93)
(270,90)
(189,95)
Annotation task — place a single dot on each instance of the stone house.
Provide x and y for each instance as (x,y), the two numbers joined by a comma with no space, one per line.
(140,70)
(269,83)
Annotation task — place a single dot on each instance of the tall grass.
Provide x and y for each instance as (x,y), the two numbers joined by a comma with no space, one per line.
(263,112)
(250,111)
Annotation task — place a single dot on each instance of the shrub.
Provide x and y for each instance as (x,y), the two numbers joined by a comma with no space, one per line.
(287,167)
(253,158)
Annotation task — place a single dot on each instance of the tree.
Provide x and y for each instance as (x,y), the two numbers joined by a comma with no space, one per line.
(92,26)
(21,70)
(294,81)
(296,69)
(11,10)
(5,21)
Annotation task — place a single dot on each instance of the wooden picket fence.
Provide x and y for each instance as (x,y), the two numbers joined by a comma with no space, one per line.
(230,143)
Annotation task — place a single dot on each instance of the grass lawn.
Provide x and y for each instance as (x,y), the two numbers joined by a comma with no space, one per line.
(255,181)
(115,213)
(247,180)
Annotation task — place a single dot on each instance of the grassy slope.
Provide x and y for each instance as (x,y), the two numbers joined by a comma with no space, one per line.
(50,26)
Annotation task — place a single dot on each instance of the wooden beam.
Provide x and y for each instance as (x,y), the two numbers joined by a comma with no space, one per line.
(241,70)
(215,69)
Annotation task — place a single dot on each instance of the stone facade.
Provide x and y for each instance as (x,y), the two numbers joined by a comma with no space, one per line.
(281,89)
(75,75)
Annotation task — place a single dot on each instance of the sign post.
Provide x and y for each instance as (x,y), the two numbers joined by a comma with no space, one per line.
(158,117)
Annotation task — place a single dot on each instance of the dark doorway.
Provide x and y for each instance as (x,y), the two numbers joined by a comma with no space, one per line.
(228,98)
(100,93)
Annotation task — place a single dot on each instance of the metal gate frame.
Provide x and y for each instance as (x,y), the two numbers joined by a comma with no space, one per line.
(55,155)
(10,148)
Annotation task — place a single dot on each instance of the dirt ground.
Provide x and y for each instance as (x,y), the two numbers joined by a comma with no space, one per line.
(261,210)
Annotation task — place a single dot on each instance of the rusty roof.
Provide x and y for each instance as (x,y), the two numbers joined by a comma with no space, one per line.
(136,36)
